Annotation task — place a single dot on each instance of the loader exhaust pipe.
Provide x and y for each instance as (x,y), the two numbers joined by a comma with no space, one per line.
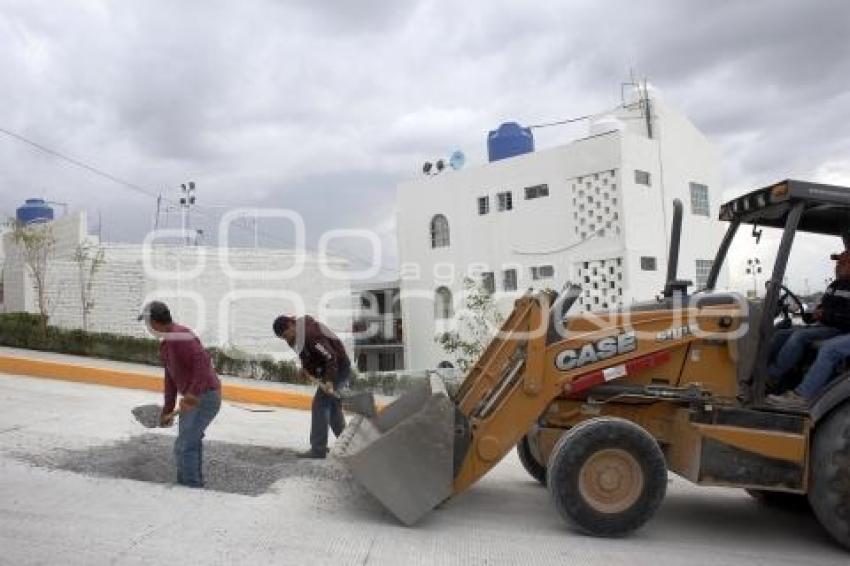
(673,284)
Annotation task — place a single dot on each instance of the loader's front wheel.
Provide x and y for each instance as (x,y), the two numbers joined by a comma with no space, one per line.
(607,475)
(829,487)
(529,462)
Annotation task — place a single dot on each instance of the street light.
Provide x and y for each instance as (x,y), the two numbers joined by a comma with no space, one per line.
(187,200)
(754,269)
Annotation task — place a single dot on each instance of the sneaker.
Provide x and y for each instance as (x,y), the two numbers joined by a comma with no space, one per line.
(788,400)
(312,455)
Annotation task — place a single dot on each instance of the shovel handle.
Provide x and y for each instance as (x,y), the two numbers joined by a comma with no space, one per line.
(171,416)
(321,385)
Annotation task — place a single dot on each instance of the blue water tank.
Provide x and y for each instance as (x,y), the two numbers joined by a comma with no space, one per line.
(34,210)
(508,140)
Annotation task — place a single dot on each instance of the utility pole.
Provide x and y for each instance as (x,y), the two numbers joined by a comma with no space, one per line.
(158,205)
(187,200)
(754,269)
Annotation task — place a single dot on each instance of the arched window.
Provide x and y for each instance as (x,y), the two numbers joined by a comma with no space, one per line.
(439,231)
(443,304)
(445,365)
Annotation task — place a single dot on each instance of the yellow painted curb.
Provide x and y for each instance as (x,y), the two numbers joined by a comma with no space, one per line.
(146,381)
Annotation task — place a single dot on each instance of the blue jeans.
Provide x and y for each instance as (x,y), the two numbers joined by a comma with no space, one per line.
(789,345)
(327,410)
(189,448)
(831,354)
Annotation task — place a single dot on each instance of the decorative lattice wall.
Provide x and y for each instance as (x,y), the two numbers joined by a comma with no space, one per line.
(601,283)
(595,201)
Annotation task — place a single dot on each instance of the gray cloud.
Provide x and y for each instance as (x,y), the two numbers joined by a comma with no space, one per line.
(325,106)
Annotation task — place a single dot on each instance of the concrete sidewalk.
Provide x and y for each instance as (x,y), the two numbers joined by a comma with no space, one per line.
(83,484)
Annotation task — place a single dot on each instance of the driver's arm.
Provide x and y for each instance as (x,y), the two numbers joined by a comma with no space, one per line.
(835,306)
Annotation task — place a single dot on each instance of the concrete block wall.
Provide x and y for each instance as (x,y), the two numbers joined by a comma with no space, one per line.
(229,296)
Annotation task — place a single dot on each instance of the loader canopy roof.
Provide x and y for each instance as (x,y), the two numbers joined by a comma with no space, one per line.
(827,207)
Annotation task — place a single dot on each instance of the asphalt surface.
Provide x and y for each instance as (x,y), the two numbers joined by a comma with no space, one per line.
(81,482)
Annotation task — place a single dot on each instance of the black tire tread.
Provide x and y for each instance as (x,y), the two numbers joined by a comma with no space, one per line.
(580,442)
(829,486)
(534,468)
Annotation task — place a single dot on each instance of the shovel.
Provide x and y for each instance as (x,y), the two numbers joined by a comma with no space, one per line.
(360,402)
(148,415)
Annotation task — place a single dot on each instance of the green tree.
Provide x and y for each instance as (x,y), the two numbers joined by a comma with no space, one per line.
(474,326)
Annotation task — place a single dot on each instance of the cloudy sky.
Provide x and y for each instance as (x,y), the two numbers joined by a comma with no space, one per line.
(323,106)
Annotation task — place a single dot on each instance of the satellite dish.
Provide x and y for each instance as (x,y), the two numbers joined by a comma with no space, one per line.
(457,160)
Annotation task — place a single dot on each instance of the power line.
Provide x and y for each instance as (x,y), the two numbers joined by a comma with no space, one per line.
(562,122)
(152,194)
(78,163)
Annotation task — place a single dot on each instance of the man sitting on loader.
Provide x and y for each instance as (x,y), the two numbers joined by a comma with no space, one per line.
(833,324)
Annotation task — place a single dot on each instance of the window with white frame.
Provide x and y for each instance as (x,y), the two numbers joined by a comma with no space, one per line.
(506,201)
(537,191)
(439,231)
(539,272)
(703,269)
(642,177)
(483,205)
(509,282)
(699,200)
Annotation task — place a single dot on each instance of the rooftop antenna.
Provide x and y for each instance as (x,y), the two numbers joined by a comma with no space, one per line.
(631,82)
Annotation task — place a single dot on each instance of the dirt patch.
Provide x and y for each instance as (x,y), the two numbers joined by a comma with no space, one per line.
(230,468)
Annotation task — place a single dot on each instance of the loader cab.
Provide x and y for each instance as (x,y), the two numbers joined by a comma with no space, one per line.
(785,208)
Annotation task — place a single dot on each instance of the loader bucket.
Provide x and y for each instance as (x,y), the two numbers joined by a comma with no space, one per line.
(404,455)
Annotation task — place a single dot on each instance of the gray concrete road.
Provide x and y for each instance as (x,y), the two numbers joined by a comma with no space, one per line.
(82,483)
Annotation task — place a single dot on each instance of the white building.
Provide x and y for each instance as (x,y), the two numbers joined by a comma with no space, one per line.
(378,344)
(230,296)
(596,211)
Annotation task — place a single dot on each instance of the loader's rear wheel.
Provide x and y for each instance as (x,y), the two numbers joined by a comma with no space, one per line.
(829,487)
(607,476)
(529,462)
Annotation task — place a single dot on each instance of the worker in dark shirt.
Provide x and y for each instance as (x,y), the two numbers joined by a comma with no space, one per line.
(325,362)
(833,320)
(189,372)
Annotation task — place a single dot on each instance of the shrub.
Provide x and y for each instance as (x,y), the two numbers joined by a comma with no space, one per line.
(26,330)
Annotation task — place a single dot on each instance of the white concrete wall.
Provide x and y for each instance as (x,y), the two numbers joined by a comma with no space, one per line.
(548,230)
(230,297)
(18,288)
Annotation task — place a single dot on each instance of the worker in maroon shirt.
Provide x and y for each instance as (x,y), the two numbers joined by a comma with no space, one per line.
(189,372)
(325,362)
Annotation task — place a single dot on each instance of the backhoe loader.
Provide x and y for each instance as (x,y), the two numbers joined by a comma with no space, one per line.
(601,405)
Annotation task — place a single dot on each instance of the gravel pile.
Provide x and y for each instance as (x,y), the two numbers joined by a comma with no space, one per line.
(229,468)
